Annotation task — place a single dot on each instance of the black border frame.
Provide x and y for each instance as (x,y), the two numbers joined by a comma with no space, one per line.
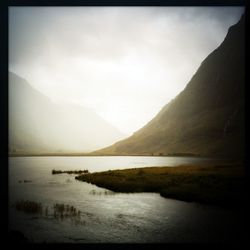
(4,103)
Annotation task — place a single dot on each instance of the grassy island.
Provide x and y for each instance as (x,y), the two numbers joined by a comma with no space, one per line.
(218,185)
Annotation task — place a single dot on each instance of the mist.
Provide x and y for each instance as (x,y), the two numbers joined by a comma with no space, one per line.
(125,63)
(39,125)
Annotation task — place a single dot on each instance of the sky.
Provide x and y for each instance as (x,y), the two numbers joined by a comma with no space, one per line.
(124,63)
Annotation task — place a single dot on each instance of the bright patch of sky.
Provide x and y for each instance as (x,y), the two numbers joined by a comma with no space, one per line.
(124,63)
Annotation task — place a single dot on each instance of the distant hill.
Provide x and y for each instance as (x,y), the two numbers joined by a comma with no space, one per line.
(207,117)
(38,125)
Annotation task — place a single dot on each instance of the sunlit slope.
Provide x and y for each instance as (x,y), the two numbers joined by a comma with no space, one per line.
(207,117)
(38,125)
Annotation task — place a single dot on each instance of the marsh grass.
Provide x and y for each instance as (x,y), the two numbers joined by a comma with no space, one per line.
(28,206)
(24,181)
(85,171)
(57,211)
(106,192)
(220,184)
(61,210)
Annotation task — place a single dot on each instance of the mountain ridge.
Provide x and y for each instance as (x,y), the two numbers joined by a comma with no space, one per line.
(38,125)
(207,117)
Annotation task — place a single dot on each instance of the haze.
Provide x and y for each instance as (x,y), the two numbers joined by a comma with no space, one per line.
(124,63)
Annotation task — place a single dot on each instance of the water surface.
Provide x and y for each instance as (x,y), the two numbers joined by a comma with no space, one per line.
(108,217)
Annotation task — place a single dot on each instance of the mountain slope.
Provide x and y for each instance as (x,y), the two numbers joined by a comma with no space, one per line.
(38,125)
(207,117)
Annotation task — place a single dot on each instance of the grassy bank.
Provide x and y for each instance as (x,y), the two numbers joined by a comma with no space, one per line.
(220,185)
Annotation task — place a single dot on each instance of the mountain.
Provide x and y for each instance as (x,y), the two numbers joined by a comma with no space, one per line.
(207,117)
(38,125)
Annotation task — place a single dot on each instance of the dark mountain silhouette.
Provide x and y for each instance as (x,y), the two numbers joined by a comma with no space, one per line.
(207,117)
(38,125)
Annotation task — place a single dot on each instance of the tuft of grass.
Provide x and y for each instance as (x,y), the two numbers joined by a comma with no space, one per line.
(106,192)
(28,206)
(65,211)
(24,181)
(219,185)
(85,171)
(58,211)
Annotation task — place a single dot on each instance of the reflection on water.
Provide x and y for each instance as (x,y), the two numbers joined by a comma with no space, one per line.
(106,216)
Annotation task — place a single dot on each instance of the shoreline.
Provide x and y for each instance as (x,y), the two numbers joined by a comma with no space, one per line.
(129,155)
(222,185)
(76,154)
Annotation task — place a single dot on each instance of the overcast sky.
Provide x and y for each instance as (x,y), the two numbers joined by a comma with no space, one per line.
(125,63)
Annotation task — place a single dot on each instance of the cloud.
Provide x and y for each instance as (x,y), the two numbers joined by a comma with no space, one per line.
(112,57)
(109,32)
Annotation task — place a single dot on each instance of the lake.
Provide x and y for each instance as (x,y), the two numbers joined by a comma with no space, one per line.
(109,217)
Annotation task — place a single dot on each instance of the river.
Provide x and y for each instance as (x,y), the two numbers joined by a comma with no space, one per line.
(108,217)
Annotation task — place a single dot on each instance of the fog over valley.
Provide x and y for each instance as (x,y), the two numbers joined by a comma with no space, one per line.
(38,125)
(124,63)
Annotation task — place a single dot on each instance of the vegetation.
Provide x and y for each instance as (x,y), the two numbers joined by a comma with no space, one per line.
(64,211)
(207,118)
(57,211)
(221,184)
(28,206)
(106,192)
(70,171)
(24,181)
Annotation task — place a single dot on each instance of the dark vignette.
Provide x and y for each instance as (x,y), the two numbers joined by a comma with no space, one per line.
(4,100)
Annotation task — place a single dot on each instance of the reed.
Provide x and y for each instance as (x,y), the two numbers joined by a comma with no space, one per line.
(85,171)
(58,211)
(28,206)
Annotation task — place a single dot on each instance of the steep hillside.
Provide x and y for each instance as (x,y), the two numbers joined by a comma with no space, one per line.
(38,125)
(207,117)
